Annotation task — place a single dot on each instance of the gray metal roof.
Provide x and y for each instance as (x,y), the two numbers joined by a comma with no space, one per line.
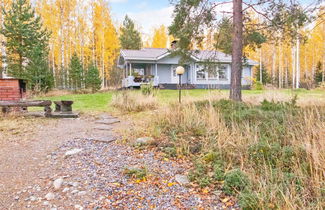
(144,54)
(155,54)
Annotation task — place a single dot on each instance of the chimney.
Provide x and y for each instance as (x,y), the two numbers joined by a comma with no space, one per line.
(173,45)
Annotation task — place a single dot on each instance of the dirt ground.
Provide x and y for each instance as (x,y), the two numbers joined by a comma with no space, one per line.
(76,164)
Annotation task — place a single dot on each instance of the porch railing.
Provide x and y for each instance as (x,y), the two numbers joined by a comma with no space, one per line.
(132,81)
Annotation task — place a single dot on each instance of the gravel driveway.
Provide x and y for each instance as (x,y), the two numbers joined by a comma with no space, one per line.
(77,164)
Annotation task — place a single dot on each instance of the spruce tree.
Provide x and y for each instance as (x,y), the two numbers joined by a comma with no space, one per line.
(265,76)
(39,76)
(130,38)
(93,80)
(27,43)
(76,72)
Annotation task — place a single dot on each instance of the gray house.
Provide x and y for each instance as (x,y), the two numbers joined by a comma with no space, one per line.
(158,66)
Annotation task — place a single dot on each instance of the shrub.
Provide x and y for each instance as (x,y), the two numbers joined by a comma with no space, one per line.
(131,101)
(258,86)
(248,200)
(321,85)
(235,182)
(148,89)
(170,151)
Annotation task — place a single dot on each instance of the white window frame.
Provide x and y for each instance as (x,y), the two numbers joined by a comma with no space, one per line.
(226,69)
(200,68)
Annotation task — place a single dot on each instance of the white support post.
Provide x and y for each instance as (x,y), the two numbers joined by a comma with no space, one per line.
(156,69)
(130,73)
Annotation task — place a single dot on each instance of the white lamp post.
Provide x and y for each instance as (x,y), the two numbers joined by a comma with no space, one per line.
(180,71)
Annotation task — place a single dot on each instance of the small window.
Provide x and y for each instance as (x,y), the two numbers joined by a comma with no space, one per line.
(174,70)
(200,74)
(223,72)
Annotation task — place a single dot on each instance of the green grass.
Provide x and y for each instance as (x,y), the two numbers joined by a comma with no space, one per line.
(100,102)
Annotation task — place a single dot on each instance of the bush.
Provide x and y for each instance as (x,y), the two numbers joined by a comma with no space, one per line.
(235,182)
(248,200)
(321,86)
(131,101)
(258,86)
(148,89)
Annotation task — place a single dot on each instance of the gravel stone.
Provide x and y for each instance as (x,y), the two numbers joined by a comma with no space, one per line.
(49,196)
(82,193)
(73,152)
(58,183)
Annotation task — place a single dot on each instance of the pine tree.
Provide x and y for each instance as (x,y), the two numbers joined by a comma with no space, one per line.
(93,80)
(24,32)
(130,38)
(76,72)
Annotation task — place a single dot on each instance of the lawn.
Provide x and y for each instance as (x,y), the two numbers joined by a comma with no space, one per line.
(100,102)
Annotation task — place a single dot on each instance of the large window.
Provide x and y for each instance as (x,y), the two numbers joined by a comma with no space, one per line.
(212,72)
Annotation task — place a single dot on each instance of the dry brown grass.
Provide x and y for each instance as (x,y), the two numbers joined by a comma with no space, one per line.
(129,101)
(283,157)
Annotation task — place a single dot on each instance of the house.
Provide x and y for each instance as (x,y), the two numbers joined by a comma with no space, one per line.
(158,66)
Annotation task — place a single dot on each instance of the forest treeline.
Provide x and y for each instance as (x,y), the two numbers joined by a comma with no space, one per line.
(70,38)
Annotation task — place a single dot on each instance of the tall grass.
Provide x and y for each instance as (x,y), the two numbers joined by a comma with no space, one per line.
(131,101)
(269,155)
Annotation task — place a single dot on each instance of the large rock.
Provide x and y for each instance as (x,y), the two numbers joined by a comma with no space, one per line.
(73,152)
(182,179)
(144,141)
(58,183)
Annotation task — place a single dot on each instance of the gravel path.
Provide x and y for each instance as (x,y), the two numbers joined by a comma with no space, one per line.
(84,170)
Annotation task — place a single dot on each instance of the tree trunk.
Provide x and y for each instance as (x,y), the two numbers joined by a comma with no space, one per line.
(261,69)
(2,41)
(237,51)
(273,64)
(298,64)
(286,73)
(293,53)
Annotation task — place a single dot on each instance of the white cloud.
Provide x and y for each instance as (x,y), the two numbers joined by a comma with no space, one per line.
(147,20)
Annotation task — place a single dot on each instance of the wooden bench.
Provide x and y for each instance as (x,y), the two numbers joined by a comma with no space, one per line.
(6,105)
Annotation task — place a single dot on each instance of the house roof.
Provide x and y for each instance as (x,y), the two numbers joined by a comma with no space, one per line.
(155,54)
(144,54)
